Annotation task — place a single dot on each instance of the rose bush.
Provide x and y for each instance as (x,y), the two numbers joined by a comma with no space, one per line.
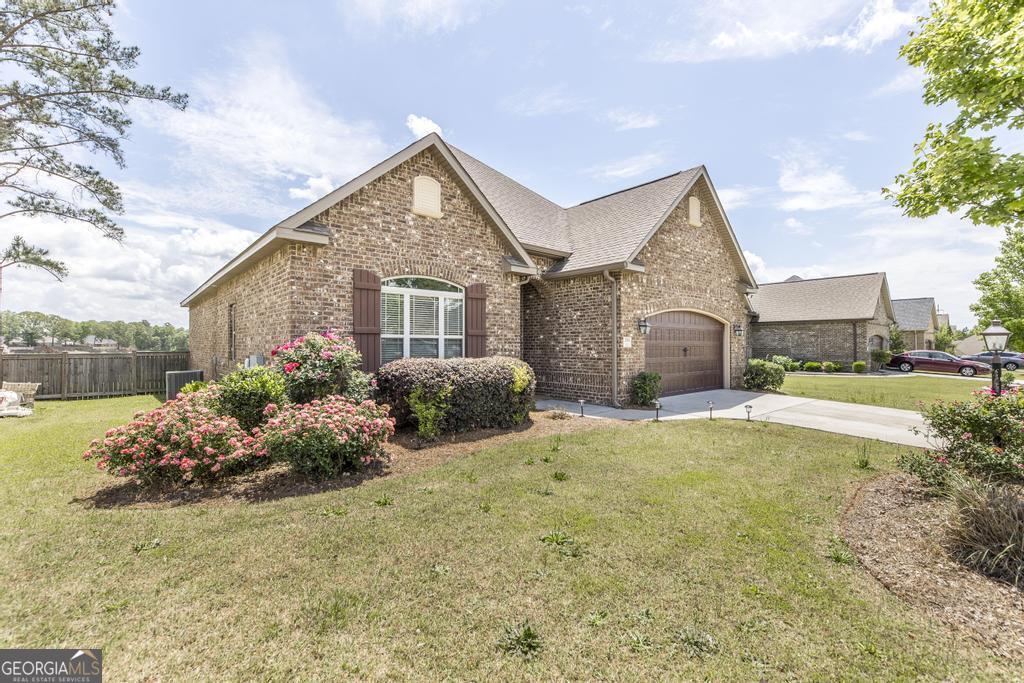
(316,365)
(326,437)
(183,440)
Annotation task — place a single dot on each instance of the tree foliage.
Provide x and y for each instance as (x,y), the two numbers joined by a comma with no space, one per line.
(24,255)
(1002,290)
(896,342)
(65,90)
(32,328)
(972,54)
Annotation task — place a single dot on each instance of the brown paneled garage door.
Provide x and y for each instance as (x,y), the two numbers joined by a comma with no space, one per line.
(686,349)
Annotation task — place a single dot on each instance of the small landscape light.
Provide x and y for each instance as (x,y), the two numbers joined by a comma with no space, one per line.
(711,410)
(748,409)
(657,410)
(581,407)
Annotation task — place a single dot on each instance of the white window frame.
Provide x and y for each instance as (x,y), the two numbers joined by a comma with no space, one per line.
(441,297)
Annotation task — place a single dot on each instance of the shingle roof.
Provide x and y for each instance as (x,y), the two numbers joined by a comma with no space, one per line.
(914,314)
(849,297)
(603,231)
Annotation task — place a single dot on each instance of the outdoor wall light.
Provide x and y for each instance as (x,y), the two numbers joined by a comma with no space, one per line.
(581,407)
(748,409)
(711,410)
(643,325)
(737,329)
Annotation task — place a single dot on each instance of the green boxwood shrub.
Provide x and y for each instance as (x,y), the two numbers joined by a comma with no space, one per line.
(763,375)
(829,366)
(859,366)
(485,392)
(881,357)
(193,386)
(812,366)
(244,393)
(645,388)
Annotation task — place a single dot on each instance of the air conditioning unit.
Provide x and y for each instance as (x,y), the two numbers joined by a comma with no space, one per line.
(175,379)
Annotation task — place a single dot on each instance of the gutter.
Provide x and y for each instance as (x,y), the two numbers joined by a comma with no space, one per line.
(615,335)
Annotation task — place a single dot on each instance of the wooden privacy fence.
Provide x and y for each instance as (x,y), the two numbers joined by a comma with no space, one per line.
(83,375)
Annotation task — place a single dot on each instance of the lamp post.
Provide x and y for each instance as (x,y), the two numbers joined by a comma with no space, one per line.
(996,336)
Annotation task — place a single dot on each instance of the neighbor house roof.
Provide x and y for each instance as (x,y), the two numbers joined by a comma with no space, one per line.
(603,233)
(915,314)
(848,297)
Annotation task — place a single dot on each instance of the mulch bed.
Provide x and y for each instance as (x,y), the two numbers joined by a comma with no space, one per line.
(406,455)
(895,528)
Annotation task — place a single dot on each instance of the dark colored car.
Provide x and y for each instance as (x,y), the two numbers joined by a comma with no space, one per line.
(937,361)
(1011,359)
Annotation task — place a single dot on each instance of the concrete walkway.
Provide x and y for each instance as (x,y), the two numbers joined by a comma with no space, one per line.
(871,422)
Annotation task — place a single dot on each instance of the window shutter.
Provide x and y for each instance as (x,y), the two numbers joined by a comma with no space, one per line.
(366,317)
(476,321)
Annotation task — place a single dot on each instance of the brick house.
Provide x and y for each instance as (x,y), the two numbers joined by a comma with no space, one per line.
(918,321)
(432,253)
(838,319)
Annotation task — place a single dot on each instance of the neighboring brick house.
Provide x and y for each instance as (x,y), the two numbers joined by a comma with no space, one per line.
(432,253)
(918,321)
(839,319)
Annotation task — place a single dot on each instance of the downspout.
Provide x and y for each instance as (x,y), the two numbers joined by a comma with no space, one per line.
(615,336)
(855,343)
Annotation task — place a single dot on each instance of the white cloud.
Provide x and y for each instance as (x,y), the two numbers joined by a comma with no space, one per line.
(764,29)
(421,125)
(315,189)
(253,136)
(735,196)
(908,80)
(426,16)
(627,168)
(554,100)
(857,136)
(630,119)
(809,183)
(797,227)
(757,265)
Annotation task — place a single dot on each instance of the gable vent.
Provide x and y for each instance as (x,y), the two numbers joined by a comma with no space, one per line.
(426,196)
(693,212)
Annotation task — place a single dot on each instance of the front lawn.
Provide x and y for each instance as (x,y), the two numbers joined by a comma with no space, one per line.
(898,391)
(679,550)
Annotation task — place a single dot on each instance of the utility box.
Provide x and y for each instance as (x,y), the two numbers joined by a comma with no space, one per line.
(176,379)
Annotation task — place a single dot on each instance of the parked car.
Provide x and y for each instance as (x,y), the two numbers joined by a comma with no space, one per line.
(1011,359)
(937,361)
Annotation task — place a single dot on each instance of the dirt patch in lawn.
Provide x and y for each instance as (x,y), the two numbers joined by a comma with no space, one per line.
(895,528)
(405,457)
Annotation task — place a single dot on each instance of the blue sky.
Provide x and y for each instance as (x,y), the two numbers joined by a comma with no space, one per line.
(801,111)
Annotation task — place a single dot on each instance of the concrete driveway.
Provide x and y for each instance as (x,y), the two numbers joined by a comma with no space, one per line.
(871,422)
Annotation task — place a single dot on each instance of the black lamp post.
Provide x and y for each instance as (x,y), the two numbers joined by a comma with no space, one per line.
(996,336)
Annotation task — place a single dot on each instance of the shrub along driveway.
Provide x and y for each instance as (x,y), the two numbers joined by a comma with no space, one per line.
(684,550)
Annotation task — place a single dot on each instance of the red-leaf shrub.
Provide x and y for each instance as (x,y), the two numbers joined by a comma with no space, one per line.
(181,441)
(328,437)
(316,365)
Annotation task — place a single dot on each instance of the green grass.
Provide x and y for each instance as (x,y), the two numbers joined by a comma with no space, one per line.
(891,392)
(685,550)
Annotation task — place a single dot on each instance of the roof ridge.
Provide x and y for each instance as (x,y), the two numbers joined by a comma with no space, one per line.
(916,298)
(816,279)
(634,187)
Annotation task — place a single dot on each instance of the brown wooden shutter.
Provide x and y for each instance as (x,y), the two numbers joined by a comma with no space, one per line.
(366,317)
(476,321)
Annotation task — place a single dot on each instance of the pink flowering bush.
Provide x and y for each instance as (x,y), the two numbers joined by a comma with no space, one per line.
(982,436)
(316,365)
(183,440)
(326,437)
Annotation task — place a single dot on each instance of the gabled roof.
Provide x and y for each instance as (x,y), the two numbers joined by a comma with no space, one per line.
(916,314)
(847,297)
(604,233)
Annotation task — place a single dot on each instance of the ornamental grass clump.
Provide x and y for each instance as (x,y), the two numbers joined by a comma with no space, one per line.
(316,365)
(325,438)
(985,529)
(184,440)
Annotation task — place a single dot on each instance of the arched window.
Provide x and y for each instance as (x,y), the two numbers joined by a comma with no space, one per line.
(421,317)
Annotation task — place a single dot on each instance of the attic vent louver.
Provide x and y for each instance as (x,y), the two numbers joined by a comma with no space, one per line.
(693,212)
(426,196)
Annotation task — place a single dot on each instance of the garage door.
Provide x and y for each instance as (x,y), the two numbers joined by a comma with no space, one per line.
(686,349)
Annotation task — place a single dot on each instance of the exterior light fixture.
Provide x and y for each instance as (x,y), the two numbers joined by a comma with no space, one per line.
(737,329)
(657,410)
(581,407)
(748,408)
(643,325)
(996,336)
(711,410)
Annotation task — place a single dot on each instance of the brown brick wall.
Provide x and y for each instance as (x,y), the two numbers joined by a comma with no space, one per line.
(308,287)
